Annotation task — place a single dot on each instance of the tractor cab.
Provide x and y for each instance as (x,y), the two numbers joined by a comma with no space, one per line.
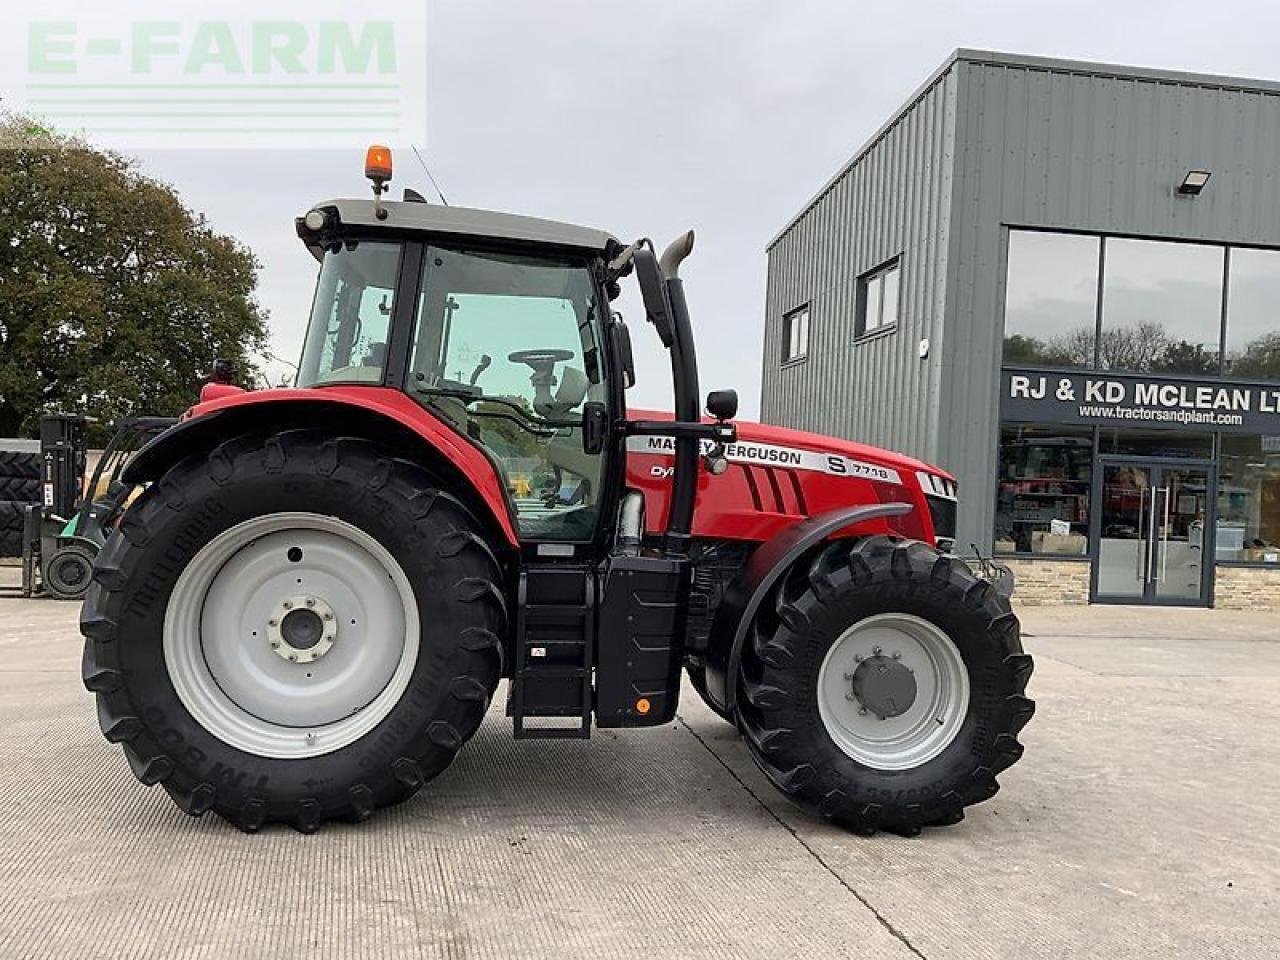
(504,342)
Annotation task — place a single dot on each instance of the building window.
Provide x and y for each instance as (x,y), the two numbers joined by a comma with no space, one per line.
(878,298)
(1161,307)
(1253,334)
(1051,299)
(1248,500)
(795,335)
(1042,490)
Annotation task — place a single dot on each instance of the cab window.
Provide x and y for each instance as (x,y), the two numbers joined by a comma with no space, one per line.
(355,296)
(507,351)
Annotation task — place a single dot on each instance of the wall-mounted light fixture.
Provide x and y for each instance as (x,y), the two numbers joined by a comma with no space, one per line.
(1193,182)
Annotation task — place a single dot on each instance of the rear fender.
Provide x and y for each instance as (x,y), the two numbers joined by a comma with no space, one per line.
(405,428)
(759,575)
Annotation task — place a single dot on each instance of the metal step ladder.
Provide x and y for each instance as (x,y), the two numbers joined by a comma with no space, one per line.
(555,637)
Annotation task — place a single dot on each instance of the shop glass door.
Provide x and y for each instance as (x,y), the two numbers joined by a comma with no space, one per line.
(1151,536)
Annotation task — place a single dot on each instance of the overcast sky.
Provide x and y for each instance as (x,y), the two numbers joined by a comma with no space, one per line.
(646,118)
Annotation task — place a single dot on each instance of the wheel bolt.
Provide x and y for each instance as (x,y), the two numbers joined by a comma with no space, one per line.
(287,605)
(862,711)
(328,616)
(848,676)
(311,601)
(897,655)
(275,645)
(273,623)
(875,651)
(293,658)
(858,658)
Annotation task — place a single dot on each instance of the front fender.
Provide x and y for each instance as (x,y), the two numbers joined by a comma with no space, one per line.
(384,416)
(759,575)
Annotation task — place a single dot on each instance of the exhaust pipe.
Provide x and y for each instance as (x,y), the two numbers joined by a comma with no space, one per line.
(684,375)
(675,254)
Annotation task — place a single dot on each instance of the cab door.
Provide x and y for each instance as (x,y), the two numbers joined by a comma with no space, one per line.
(508,350)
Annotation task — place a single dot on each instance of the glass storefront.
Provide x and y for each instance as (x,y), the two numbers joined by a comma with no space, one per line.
(1042,492)
(1078,301)
(1248,525)
(1140,411)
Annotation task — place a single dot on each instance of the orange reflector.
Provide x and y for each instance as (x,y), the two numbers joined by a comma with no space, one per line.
(377,163)
(643,706)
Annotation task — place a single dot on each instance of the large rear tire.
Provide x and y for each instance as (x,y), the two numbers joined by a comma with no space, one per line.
(293,629)
(885,687)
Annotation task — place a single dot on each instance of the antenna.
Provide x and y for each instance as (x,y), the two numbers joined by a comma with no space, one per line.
(439,193)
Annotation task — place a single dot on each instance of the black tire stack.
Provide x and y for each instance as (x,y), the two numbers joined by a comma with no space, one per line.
(19,487)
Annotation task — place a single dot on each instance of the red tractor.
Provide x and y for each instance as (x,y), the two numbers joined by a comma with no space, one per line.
(306,613)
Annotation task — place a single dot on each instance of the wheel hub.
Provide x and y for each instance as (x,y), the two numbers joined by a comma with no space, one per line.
(302,629)
(291,635)
(72,571)
(884,685)
(893,691)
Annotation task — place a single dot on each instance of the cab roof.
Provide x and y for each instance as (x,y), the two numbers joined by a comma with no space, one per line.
(415,217)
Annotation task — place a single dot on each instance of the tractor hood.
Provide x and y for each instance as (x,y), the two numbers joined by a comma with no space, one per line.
(777,477)
(769,445)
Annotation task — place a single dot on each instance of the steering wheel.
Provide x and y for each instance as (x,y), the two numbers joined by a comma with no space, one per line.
(540,359)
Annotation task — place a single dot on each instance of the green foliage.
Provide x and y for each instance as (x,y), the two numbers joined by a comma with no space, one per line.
(115,299)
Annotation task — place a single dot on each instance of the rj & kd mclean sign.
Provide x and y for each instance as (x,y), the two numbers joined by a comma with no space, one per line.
(1119,400)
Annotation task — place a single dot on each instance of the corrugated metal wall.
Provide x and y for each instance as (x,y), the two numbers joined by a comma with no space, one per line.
(893,200)
(1079,147)
(995,140)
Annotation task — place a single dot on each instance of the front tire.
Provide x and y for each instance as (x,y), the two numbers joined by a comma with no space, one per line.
(293,629)
(885,689)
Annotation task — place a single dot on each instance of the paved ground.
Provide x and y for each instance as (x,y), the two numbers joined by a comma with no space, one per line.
(1142,823)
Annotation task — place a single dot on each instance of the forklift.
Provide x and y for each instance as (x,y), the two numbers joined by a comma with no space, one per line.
(63,533)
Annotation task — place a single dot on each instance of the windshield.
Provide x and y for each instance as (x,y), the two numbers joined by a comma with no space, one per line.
(355,296)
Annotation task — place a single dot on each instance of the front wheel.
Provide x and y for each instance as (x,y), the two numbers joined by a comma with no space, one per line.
(293,630)
(885,688)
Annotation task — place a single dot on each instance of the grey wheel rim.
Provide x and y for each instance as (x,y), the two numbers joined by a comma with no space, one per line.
(893,691)
(291,635)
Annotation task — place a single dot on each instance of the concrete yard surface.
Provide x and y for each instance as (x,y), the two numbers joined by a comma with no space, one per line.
(1142,822)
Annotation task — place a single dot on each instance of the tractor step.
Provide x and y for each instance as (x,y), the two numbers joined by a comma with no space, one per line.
(555,634)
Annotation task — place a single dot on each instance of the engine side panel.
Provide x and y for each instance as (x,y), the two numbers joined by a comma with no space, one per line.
(770,486)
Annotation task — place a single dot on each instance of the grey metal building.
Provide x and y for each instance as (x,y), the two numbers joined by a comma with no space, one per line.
(1060,281)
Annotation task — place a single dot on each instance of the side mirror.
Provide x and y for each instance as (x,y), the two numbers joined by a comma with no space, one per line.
(595,427)
(621,337)
(653,288)
(723,404)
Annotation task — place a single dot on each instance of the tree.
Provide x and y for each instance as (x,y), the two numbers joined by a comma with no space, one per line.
(1260,358)
(115,299)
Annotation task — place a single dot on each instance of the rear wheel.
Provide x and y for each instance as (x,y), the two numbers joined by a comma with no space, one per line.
(294,630)
(885,688)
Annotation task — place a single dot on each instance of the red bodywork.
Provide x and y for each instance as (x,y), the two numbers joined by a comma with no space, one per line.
(776,476)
